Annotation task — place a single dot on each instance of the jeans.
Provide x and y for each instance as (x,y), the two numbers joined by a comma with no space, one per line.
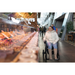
(51,44)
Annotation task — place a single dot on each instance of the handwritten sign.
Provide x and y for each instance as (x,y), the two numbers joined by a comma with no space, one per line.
(28,20)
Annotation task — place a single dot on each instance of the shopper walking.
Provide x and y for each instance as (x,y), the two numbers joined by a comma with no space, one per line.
(51,37)
(40,30)
(44,30)
(53,27)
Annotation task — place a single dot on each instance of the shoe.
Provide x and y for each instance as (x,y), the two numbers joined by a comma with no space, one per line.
(56,59)
(50,59)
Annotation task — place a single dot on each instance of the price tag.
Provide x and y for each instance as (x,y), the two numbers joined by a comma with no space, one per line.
(5,36)
(11,34)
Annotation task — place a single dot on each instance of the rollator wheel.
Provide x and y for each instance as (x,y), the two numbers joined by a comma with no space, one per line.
(43,55)
(46,57)
(47,51)
(58,56)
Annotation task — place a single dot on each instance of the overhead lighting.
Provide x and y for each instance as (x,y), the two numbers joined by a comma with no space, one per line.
(19,13)
(14,20)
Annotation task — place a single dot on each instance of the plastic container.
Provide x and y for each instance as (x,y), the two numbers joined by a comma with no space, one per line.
(28,60)
(2,55)
(26,55)
(34,49)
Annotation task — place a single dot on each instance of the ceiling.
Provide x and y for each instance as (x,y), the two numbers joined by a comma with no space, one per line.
(43,15)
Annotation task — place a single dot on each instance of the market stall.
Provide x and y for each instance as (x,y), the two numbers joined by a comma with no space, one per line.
(10,48)
(15,41)
(30,53)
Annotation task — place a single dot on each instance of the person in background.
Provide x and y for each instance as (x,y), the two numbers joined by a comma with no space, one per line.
(44,30)
(40,30)
(35,29)
(51,37)
(56,29)
(53,27)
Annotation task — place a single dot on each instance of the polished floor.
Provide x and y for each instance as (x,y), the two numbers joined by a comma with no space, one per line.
(70,42)
(66,51)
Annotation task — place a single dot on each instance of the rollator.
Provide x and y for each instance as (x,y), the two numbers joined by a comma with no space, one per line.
(46,52)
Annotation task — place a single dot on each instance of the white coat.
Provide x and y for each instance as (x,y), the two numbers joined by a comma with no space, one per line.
(51,36)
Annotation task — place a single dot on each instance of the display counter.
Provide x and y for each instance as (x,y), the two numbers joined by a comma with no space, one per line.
(30,53)
(12,45)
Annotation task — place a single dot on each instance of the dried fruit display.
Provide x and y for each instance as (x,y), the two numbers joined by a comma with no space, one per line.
(15,43)
(30,51)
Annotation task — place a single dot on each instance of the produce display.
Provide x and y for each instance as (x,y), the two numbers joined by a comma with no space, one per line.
(1,36)
(18,41)
(6,34)
(5,39)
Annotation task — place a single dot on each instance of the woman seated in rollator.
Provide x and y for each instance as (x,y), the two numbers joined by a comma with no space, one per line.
(51,37)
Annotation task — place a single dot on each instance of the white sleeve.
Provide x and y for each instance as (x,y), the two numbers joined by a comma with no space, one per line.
(57,38)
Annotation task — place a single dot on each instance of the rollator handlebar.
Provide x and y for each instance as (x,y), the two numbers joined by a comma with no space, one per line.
(44,42)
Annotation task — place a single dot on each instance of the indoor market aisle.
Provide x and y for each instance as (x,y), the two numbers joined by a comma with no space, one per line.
(66,51)
(42,47)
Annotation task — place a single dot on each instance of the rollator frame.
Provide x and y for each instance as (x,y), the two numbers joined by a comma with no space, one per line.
(46,52)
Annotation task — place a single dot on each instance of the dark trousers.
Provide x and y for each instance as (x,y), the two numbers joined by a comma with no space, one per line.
(42,34)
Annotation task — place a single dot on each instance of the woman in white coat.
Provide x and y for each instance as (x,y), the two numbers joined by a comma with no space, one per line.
(52,38)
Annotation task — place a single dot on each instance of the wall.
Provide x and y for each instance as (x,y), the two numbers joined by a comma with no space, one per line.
(58,25)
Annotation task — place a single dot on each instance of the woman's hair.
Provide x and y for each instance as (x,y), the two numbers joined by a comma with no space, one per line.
(52,24)
(51,27)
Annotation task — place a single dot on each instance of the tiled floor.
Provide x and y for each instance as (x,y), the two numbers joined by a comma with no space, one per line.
(66,51)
